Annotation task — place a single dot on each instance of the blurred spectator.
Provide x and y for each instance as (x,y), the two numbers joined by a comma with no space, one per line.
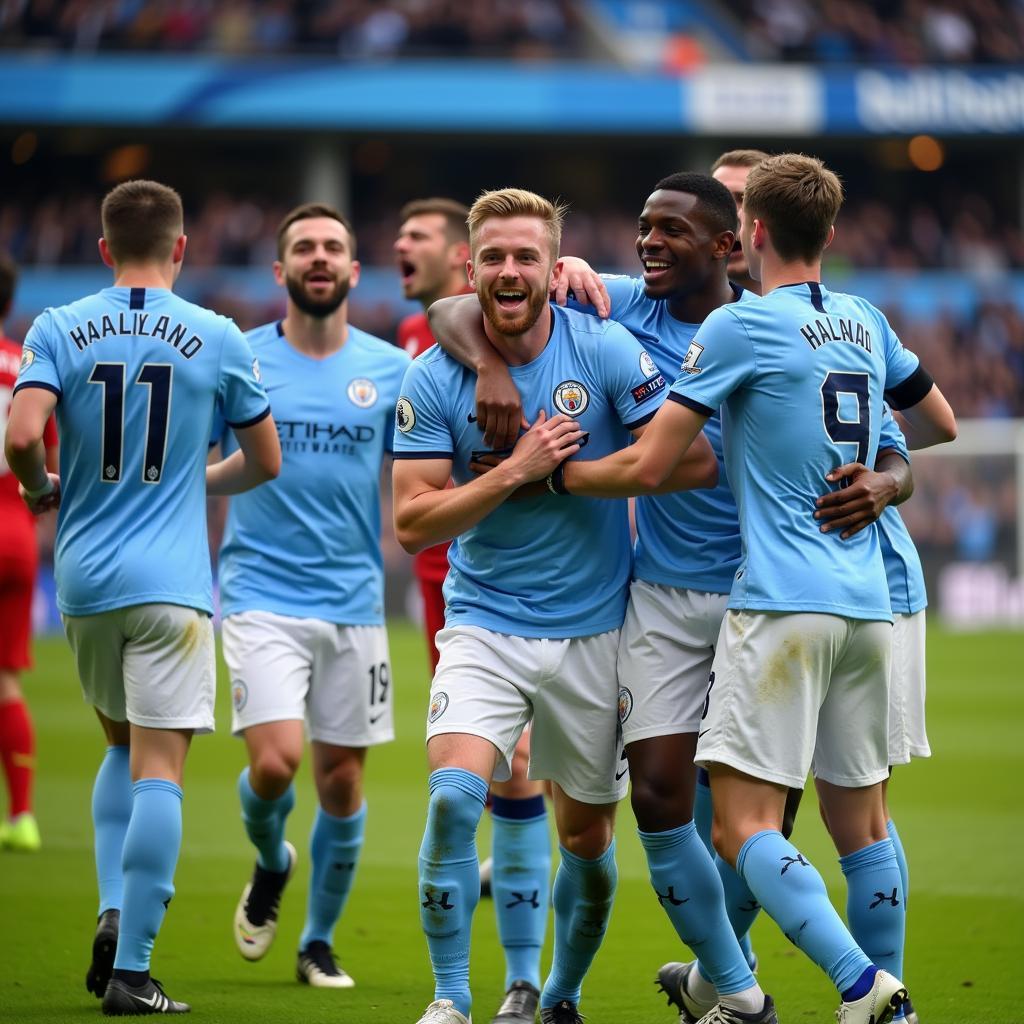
(362,29)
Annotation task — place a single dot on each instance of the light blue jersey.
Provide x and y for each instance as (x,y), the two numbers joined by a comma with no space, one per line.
(902,563)
(308,543)
(548,566)
(801,374)
(687,539)
(138,373)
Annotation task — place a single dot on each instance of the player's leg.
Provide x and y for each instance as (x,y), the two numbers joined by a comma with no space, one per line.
(269,664)
(850,767)
(348,710)
(17,739)
(169,686)
(479,705)
(520,886)
(753,758)
(664,659)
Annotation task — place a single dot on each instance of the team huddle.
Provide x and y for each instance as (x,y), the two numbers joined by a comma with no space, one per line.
(767,622)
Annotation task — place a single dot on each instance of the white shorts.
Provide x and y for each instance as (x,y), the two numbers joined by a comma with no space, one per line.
(491,685)
(149,664)
(336,678)
(796,691)
(907,735)
(665,654)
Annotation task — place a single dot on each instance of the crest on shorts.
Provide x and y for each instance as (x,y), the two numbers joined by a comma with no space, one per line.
(625,704)
(239,695)
(438,706)
(362,392)
(571,397)
(693,353)
(648,367)
(405,415)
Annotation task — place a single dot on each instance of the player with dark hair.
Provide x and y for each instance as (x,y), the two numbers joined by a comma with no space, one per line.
(795,683)
(302,589)
(135,375)
(18,566)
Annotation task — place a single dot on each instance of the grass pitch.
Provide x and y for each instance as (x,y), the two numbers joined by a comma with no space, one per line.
(960,816)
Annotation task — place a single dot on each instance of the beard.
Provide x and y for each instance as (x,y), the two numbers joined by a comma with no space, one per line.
(535,303)
(320,308)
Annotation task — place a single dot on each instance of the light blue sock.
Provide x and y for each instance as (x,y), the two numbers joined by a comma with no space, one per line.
(739,901)
(792,892)
(264,822)
(875,908)
(583,895)
(702,809)
(111,812)
(521,883)
(901,858)
(450,879)
(334,846)
(741,906)
(690,892)
(150,855)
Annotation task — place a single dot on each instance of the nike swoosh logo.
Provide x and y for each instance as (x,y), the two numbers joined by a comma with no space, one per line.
(153,1001)
(702,733)
(374,719)
(618,775)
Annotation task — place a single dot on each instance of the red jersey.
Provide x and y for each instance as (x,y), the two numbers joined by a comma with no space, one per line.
(18,524)
(414,336)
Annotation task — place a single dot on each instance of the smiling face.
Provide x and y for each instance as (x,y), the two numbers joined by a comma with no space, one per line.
(511,271)
(734,178)
(675,244)
(317,266)
(426,256)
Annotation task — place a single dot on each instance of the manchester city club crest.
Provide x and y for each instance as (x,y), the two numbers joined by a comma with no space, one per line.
(438,706)
(405,415)
(625,704)
(571,398)
(362,392)
(239,695)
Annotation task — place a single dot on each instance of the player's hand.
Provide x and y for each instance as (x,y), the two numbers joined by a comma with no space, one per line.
(483,465)
(499,409)
(544,446)
(43,502)
(858,504)
(572,273)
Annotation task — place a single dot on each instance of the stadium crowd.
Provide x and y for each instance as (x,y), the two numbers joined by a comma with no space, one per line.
(357,29)
(907,32)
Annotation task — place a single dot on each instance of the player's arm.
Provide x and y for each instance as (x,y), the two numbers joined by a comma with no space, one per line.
(458,327)
(31,408)
(866,494)
(670,454)
(927,422)
(257,460)
(588,289)
(427,511)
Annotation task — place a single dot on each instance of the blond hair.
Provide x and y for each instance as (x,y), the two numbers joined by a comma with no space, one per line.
(141,221)
(739,158)
(517,202)
(797,197)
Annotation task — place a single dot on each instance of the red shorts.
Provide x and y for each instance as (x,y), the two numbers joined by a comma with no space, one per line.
(17,583)
(433,614)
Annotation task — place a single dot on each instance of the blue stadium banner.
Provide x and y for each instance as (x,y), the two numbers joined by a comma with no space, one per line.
(445,96)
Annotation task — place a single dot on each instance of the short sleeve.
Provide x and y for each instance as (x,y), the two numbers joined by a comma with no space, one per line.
(422,430)
(900,363)
(891,437)
(396,375)
(720,359)
(38,367)
(241,400)
(622,293)
(633,381)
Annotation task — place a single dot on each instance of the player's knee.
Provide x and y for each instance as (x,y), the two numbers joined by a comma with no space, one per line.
(342,778)
(453,811)
(658,802)
(272,770)
(728,838)
(589,840)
